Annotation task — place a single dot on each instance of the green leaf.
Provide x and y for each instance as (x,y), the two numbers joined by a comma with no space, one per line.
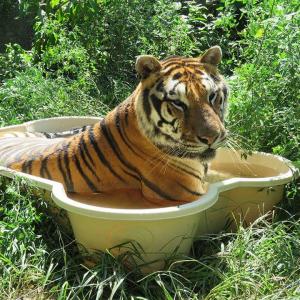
(259,33)
(296,163)
(54,3)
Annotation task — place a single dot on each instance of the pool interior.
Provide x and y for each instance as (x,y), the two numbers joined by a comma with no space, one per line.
(244,170)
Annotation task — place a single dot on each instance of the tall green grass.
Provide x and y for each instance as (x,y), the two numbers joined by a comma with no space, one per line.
(30,95)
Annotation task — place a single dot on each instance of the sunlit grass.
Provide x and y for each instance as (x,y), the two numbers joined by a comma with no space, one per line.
(31,95)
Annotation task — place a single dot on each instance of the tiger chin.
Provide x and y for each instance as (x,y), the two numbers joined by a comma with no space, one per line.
(158,141)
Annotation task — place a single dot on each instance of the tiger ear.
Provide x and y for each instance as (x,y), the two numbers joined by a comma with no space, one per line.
(212,56)
(147,64)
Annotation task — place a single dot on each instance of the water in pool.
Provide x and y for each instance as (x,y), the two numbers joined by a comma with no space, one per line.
(118,199)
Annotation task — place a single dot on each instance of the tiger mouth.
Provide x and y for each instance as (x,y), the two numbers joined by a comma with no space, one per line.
(175,151)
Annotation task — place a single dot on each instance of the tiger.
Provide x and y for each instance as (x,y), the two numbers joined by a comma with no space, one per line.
(157,141)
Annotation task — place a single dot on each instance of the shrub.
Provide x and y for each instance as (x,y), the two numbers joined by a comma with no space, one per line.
(265,90)
(218,23)
(14,59)
(64,55)
(112,34)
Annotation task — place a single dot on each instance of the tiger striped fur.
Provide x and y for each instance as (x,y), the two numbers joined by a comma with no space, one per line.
(157,141)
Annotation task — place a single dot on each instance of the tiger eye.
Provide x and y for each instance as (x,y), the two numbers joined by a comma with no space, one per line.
(212,97)
(179,105)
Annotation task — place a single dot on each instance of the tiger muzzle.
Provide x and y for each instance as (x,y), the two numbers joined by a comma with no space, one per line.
(208,129)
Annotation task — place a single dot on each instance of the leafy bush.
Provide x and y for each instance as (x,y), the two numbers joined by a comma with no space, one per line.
(114,32)
(218,23)
(64,55)
(14,59)
(265,91)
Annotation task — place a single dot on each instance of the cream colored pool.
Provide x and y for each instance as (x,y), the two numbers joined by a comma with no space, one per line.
(254,187)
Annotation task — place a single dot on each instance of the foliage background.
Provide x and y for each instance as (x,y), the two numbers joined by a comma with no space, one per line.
(77,58)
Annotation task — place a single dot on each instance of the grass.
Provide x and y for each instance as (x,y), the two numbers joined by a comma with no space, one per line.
(30,95)
(40,261)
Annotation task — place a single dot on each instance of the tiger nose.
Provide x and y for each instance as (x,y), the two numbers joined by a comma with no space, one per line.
(208,140)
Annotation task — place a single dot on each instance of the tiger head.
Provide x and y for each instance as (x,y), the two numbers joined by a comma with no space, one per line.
(181,104)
